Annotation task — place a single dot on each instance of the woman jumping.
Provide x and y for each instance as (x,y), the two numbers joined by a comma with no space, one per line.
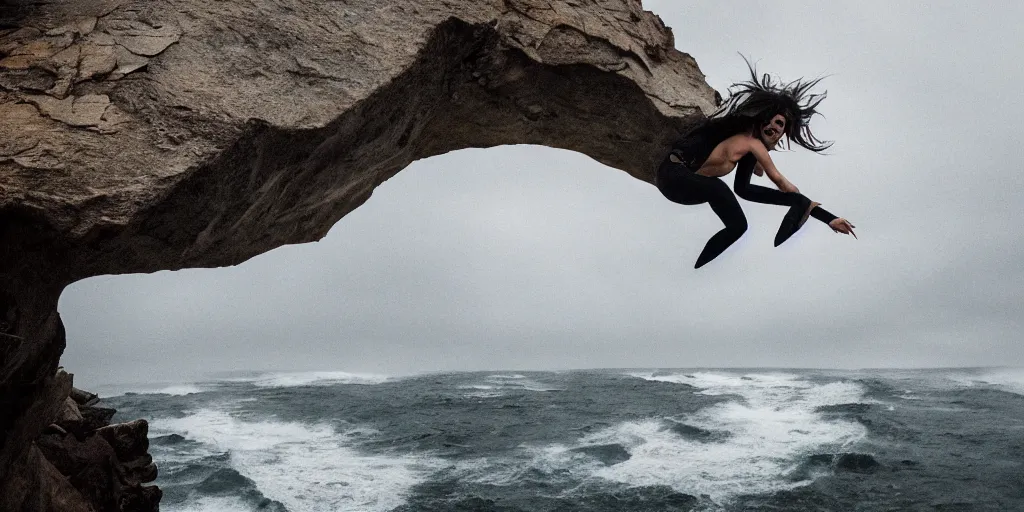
(739,135)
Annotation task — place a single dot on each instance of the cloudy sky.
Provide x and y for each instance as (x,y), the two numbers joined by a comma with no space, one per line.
(526,257)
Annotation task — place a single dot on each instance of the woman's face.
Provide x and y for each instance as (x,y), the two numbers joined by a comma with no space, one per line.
(772,132)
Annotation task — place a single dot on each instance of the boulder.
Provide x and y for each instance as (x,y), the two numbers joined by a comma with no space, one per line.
(83,397)
(70,417)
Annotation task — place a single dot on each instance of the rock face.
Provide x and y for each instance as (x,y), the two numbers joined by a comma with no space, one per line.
(106,464)
(82,463)
(142,135)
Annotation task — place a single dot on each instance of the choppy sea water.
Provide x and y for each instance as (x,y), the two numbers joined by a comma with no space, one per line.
(601,440)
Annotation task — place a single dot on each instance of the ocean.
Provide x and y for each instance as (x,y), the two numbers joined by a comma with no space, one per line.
(589,440)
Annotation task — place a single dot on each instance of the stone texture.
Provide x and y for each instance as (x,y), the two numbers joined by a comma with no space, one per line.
(36,484)
(95,417)
(69,417)
(83,397)
(104,464)
(143,135)
(81,111)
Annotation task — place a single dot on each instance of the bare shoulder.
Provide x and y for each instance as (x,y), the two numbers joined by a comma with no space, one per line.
(755,144)
(741,144)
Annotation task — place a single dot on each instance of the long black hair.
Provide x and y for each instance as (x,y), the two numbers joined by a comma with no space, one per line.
(753,103)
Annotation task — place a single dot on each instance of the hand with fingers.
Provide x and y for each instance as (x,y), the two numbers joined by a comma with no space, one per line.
(841,225)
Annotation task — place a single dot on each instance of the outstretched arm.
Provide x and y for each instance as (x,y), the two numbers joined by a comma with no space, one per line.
(758,194)
(760,152)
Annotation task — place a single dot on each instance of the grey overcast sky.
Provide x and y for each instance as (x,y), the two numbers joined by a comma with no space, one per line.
(526,257)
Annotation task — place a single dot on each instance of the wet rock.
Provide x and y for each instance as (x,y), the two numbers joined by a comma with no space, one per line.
(128,439)
(139,471)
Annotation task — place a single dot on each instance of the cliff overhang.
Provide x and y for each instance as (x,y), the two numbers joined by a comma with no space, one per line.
(146,135)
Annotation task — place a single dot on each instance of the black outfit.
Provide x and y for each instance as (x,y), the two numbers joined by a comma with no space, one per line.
(680,183)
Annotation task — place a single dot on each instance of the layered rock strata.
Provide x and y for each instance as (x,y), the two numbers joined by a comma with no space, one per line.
(144,135)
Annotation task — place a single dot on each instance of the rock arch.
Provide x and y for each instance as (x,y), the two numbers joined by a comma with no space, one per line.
(148,135)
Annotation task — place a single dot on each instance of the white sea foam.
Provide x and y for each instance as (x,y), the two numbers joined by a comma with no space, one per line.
(499,384)
(1005,379)
(294,379)
(306,467)
(209,504)
(772,426)
(149,389)
(909,394)
(482,391)
(182,452)
(179,390)
(516,382)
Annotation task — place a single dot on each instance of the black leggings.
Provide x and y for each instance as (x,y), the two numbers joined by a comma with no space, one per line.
(681,184)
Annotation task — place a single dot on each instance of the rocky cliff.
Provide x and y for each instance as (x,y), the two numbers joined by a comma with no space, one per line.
(143,135)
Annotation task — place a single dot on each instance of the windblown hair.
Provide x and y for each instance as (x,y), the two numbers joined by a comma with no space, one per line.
(753,103)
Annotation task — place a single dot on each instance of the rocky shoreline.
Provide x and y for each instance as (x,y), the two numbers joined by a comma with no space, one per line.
(88,464)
